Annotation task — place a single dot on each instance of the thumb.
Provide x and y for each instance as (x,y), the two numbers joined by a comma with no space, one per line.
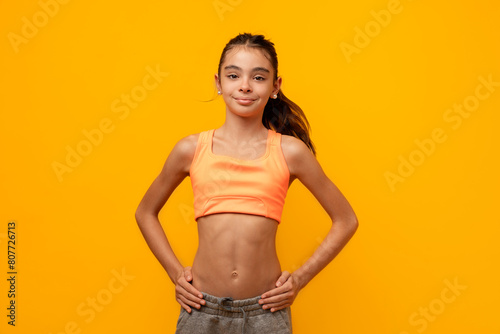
(283,278)
(188,274)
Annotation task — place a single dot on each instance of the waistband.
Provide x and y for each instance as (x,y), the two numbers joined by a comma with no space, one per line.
(228,307)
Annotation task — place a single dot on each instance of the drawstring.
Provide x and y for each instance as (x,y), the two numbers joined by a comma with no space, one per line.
(244,319)
(229,308)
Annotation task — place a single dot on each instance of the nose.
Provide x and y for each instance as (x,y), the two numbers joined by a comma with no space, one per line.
(245,85)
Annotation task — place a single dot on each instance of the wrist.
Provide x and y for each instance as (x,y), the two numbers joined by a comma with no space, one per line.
(175,273)
(299,279)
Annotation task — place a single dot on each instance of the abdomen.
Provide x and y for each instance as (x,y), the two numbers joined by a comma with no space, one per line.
(236,256)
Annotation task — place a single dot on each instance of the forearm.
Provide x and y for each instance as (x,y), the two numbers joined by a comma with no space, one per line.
(157,241)
(334,242)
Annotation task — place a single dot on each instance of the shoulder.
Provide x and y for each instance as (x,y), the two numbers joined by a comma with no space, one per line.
(297,154)
(183,152)
(186,146)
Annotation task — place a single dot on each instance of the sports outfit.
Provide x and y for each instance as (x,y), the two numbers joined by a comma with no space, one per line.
(227,184)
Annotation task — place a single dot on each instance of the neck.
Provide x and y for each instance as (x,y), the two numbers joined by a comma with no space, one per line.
(242,129)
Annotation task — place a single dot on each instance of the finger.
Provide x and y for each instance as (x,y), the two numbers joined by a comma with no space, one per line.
(188,274)
(188,301)
(276,299)
(188,298)
(183,305)
(274,309)
(189,288)
(283,278)
(277,291)
(277,306)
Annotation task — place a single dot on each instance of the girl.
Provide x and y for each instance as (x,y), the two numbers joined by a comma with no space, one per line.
(240,174)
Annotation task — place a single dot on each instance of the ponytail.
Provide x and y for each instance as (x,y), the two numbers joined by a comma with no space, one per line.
(284,116)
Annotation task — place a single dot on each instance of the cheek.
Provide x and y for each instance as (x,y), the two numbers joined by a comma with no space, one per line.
(265,92)
(230,86)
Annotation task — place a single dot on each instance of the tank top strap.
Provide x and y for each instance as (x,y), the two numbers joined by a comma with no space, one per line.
(205,136)
(201,147)
(275,138)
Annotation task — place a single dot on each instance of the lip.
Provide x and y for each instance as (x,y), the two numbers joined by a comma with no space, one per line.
(244,101)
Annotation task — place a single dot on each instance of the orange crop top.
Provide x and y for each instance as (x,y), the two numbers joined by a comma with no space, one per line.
(226,184)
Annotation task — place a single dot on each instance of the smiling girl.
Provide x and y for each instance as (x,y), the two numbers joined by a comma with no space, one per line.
(240,174)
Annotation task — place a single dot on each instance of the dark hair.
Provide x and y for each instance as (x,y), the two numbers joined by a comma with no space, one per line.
(281,114)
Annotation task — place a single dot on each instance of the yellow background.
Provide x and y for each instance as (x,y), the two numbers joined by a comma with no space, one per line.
(436,226)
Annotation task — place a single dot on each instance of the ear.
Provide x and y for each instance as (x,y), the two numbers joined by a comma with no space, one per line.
(277,85)
(217,83)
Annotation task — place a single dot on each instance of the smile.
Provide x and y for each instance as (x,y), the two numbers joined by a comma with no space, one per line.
(244,101)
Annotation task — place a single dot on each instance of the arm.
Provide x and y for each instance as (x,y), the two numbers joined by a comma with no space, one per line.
(175,169)
(303,164)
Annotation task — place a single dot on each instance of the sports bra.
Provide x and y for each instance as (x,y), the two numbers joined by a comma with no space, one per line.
(226,184)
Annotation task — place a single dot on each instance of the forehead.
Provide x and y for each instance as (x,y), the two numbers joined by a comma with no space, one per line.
(247,58)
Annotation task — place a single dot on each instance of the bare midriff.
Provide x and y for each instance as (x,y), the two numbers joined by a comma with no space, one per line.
(236,255)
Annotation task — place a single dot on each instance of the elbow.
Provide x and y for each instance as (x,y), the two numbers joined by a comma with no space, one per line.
(349,223)
(139,214)
(352,222)
(144,215)
(353,225)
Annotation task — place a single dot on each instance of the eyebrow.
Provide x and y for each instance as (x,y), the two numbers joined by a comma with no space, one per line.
(255,69)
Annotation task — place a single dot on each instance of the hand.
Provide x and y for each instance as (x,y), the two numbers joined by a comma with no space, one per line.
(185,293)
(287,288)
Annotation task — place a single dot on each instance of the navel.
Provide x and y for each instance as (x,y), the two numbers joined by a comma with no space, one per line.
(234,274)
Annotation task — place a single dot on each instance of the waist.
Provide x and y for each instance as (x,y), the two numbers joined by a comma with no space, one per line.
(229,307)
(236,255)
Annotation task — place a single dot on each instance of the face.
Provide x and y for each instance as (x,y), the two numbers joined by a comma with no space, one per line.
(246,81)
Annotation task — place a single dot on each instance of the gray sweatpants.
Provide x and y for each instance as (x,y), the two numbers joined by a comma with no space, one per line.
(225,315)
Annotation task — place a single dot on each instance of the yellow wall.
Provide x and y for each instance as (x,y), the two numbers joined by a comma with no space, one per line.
(385,113)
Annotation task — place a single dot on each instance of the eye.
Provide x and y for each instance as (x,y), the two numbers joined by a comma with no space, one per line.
(231,76)
(259,78)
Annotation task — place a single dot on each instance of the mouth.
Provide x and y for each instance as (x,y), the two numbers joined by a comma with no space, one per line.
(244,101)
